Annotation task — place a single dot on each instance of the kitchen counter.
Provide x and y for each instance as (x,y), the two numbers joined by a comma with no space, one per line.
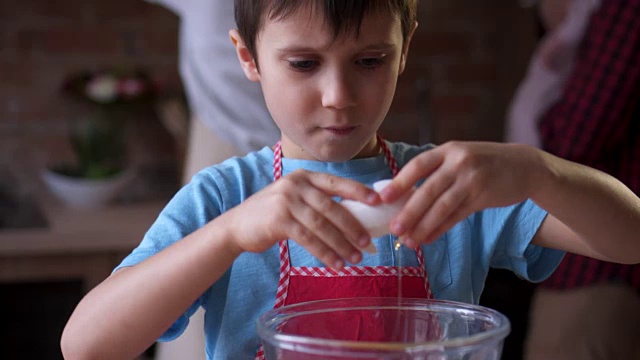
(77,244)
(115,228)
(62,261)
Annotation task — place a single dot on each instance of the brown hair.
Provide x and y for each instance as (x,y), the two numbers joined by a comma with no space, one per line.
(342,16)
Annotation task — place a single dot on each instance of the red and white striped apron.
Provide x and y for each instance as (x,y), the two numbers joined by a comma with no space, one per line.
(299,284)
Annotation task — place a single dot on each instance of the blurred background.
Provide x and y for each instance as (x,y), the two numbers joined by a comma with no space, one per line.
(466,61)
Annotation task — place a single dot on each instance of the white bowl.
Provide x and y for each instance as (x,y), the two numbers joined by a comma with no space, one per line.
(86,193)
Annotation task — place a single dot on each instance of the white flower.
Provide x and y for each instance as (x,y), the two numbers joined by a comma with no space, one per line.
(103,89)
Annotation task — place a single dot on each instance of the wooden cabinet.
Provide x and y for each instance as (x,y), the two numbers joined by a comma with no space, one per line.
(76,244)
(44,272)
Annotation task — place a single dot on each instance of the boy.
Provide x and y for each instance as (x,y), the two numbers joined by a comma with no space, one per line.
(328,70)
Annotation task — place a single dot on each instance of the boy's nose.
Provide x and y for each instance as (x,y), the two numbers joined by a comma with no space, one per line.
(338,91)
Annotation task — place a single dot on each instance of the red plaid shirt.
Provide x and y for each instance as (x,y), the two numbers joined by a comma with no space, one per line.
(597,123)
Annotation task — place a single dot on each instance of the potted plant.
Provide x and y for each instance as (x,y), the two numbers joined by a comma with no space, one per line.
(106,101)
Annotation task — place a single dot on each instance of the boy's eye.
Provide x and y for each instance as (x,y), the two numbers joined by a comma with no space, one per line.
(371,62)
(302,65)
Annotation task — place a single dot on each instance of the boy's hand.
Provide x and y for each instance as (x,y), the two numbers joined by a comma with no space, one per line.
(299,206)
(460,179)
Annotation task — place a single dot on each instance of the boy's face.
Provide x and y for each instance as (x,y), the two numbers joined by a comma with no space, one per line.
(328,97)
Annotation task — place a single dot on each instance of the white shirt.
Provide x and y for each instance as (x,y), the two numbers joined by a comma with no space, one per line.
(542,85)
(217,90)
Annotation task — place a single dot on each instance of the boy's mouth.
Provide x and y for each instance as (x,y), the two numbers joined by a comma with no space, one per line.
(340,130)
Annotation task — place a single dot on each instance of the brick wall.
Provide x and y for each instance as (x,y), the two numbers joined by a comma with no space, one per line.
(42,42)
(468,54)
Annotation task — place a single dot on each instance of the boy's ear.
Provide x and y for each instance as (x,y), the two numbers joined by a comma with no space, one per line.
(247,61)
(405,50)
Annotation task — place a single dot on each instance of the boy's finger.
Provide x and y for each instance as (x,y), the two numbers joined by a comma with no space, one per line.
(461,213)
(421,203)
(444,207)
(334,225)
(415,170)
(345,188)
(316,247)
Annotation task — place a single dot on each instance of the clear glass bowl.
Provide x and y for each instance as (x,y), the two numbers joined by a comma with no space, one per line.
(383,328)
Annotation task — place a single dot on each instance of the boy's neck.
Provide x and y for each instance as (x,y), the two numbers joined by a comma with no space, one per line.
(372,149)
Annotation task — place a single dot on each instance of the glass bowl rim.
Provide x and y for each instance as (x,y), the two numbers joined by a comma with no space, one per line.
(502,329)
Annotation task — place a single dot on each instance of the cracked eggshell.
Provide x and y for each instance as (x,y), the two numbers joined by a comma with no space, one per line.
(376,219)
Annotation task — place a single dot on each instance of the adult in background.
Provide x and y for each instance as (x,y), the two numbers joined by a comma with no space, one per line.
(581,101)
(229,116)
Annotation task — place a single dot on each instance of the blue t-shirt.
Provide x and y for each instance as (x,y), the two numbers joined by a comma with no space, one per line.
(457,263)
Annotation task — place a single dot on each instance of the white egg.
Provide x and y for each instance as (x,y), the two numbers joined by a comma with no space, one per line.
(376,219)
